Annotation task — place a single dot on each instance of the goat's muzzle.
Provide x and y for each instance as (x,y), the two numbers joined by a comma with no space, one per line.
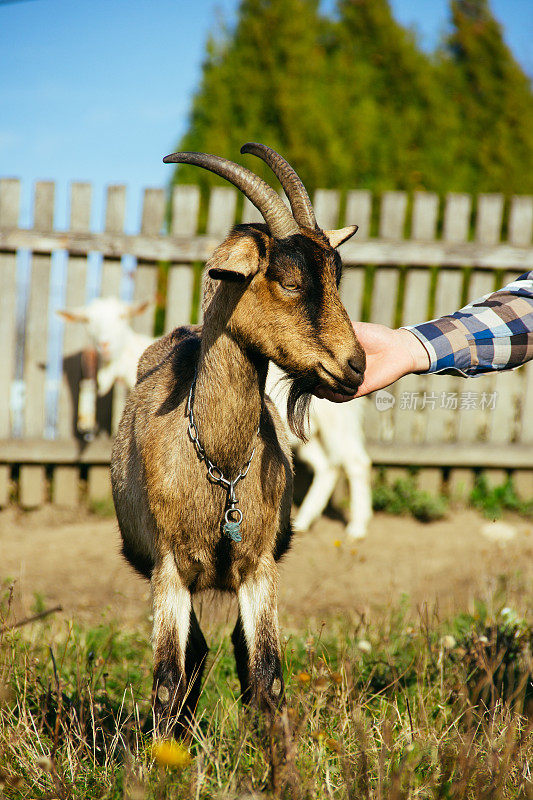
(344,380)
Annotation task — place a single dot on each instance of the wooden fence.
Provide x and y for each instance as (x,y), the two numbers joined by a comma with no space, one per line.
(413,258)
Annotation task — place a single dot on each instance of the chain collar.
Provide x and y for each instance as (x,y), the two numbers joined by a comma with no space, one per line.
(233,514)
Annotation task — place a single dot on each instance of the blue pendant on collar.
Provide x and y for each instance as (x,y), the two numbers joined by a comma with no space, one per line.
(232,527)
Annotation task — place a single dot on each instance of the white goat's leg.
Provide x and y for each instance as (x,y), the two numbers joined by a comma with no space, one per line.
(256,638)
(324,479)
(358,472)
(179,649)
(106,377)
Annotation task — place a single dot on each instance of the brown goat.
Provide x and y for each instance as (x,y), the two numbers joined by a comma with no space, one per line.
(271,294)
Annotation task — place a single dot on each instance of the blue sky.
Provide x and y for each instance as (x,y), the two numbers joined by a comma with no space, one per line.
(100,90)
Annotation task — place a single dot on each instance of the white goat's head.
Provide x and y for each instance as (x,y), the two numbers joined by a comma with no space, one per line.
(107,320)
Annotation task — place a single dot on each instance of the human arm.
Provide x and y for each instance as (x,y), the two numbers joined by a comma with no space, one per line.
(492,333)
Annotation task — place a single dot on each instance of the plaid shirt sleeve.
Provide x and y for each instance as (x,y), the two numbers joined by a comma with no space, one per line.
(492,333)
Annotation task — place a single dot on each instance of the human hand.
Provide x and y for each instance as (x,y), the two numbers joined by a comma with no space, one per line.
(390,354)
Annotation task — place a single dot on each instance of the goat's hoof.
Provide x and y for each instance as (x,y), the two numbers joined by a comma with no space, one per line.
(355,532)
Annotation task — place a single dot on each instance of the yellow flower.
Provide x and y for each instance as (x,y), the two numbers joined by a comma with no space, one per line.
(304,677)
(169,753)
(337,543)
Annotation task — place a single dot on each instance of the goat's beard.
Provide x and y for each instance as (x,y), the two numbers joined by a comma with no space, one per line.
(298,401)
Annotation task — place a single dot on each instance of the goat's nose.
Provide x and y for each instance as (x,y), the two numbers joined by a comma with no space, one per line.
(356,366)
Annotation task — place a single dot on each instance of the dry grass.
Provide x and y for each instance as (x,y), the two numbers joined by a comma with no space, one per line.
(391,709)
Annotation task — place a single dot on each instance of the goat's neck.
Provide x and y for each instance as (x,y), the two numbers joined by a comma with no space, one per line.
(228,397)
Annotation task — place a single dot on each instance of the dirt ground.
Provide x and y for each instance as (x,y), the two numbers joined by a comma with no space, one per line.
(73,559)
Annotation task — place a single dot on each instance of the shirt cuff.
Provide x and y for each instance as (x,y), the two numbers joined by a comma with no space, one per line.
(449,346)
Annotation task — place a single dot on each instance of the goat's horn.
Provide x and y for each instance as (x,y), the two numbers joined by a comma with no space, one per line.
(274,211)
(302,209)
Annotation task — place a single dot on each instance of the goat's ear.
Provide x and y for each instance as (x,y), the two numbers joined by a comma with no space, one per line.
(136,308)
(73,314)
(234,260)
(336,238)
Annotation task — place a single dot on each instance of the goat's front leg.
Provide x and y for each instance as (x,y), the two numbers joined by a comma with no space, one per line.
(174,696)
(256,639)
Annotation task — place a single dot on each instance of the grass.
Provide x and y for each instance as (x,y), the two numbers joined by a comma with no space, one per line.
(392,708)
(493,501)
(405,498)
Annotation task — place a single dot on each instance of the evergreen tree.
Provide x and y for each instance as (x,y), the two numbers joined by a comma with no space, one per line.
(261,84)
(493,96)
(394,116)
(353,102)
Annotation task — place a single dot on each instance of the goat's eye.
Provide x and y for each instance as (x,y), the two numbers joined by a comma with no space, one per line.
(290,287)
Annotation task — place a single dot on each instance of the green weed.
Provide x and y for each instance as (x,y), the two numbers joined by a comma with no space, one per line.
(403,497)
(493,501)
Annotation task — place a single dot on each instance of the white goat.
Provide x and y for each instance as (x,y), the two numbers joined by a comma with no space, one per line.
(335,444)
(118,345)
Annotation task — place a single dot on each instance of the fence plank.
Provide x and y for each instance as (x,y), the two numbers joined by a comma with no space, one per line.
(114,223)
(180,282)
(74,335)
(153,216)
(410,415)
(489,218)
(425,213)
(523,483)
(9,215)
(221,211)
(250,213)
(526,430)
(442,424)
(99,484)
(520,233)
(326,205)
(65,487)
(359,212)
(521,220)
(383,308)
(504,421)
(487,420)
(457,217)
(351,291)
(32,486)
(410,418)
(220,218)
(5,484)
(35,350)
(112,278)
(384,300)
(392,218)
